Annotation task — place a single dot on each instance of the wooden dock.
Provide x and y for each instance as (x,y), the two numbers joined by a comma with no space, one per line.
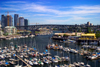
(23,61)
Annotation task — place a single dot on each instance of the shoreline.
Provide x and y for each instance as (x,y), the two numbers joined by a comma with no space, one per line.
(9,37)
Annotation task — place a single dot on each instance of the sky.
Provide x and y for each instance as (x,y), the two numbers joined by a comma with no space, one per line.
(54,11)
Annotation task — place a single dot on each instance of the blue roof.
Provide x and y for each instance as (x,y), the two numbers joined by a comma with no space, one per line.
(2,50)
(13,54)
(46,50)
(34,48)
(6,63)
(58,66)
(98,53)
(53,58)
(43,52)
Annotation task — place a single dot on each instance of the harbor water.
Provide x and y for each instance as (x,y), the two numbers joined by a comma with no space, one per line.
(40,42)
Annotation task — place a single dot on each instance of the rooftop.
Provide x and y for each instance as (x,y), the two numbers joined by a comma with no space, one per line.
(88,34)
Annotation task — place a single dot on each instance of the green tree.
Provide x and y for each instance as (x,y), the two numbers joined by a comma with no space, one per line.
(75,33)
(6,34)
(97,35)
(89,30)
(65,35)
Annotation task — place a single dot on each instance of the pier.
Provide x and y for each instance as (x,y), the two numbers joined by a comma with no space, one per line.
(23,61)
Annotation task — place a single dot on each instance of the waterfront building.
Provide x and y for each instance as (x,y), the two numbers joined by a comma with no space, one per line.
(88,36)
(70,34)
(21,21)
(10,30)
(1,32)
(16,20)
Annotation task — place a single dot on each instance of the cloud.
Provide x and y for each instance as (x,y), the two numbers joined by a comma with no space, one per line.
(74,18)
(42,15)
(94,7)
(9,8)
(15,2)
(34,7)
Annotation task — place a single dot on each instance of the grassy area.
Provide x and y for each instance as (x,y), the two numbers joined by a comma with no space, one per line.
(36,32)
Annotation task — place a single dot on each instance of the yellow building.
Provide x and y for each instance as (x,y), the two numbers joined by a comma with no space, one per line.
(70,34)
(88,36)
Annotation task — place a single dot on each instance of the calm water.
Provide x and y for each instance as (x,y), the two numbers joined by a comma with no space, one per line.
(43,40)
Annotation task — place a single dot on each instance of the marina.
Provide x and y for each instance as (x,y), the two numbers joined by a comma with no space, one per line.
(35,51)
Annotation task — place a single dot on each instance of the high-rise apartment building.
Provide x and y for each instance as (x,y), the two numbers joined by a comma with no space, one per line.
(88,23)
(25,22)
(16,20)
(21,21)
(9,20)
(3,20)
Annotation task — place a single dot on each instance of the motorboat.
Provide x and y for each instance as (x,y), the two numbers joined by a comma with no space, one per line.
(98,49)
(93,57)
(35,62)
(30,62)
(66,49)
(60,47)
(55,60)
(71,65)
(65,58)
(93,47)
(46,61)
(76,64)
(93,43)
(40,62)
(87,65)
(49,57)
(12,62)
(11,59)
(73,51)
(18,65)
(59,59)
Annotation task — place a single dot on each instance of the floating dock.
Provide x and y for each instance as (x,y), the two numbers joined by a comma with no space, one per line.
(23,61)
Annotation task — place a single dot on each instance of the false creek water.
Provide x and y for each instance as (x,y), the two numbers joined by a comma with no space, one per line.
(42,40)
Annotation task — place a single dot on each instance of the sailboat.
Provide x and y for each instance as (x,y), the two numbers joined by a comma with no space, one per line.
(12,60)
(18,60)
(39,61)
(55,59)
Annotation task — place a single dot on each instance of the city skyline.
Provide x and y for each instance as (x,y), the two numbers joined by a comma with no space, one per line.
(54,11)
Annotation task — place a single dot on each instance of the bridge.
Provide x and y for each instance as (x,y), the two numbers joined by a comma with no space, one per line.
(48,26)
(61,27)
